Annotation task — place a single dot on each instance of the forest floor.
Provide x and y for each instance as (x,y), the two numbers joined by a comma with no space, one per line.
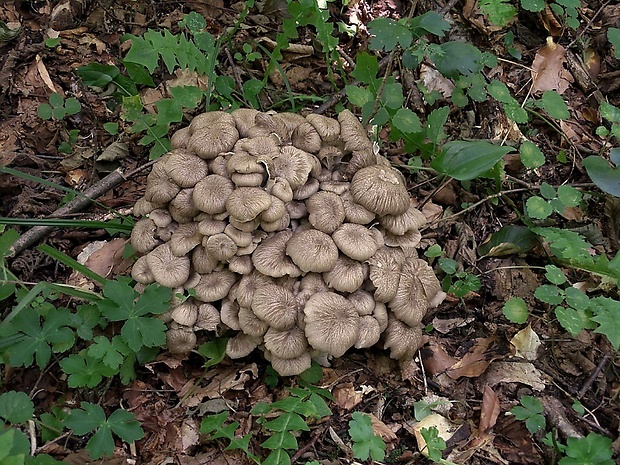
(471,361)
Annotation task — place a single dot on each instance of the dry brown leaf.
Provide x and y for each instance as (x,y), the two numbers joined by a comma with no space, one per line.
(548,72)
(107,258)
(478,358)
(514,372)
(436,360)
(382,430)
(447,325)
(434,80)
(526,343)
(489,411)
(44,74)
(346,397)
(228,379)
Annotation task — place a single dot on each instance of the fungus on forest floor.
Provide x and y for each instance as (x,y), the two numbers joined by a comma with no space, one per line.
(291,231)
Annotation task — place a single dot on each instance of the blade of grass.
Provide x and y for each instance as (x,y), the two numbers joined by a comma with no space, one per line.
(32,294)
(59,223)
(70,262)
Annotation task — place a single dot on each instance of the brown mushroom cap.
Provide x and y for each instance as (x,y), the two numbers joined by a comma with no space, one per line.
(185,169)
(168,269)
(384,272)
(246,203)
(240,264)
(327,128)
(417,282)
(241,238)
(180,138)
(270,256)
(264,148)
(208,318)
(248,285)
(400,224)
(306,138)
(352,132)
(208,119)
(380,190)
(347,275)
(211,193)
(250,324)
(276,306)
(291,366)
(140,271)
(159,191)
(209,142)
(244,163)
(244,119)
(280,188)
(221,247)
(182,207)
(180,340)
(353,212)
(215,286)
(363,302)
(209,226)
(143,207)
(332,323)
(287,344)
(229,314)
(161,217)
(202,261)
(143,236)
(369,333)
(325,211)
(402,339)
(186,313)
(184,239)
(241,345)
(292,164)
(312,250)
(356,241)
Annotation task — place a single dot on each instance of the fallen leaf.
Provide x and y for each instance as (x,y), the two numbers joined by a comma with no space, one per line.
(444,427)
(526,343)
(548,72)
(44,74)
(514,372)
(434,80)
(436,359)
(105,260)
(382,430)
(478,358)
(489,411)
(346,397)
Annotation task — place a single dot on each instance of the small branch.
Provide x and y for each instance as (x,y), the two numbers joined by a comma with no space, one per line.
(602,364)
(37,233)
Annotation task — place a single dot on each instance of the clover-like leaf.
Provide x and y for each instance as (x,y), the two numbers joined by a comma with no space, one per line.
(16,407)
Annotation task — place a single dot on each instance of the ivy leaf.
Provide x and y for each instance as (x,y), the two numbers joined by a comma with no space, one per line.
(16,407)
(366,444)
(573,320)
(387,34)
(465,160)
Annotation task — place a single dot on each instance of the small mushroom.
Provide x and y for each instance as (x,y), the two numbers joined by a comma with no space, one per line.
(140,271)
(306,138)
(184,239)
(250,324)
(292,164)
(211,193)
(347,275)
(229,314)
(369,332)
(291,366)
(312,250)
(380,190)
(210,141)
(325,211)
(363,302)
(356,241)
(185,314)
(240,238)
(402,339)
(215,286)
(221,247)
(185,169)
(286,344)
(143,236)
(168,269)
(327,128)
(241,345)
(270,257)
(400,224)
(240,264)
(280,188)
(180,340)
(275,305)
(246,203)
(208,318)
(248,285)
(332,323)
(384,272)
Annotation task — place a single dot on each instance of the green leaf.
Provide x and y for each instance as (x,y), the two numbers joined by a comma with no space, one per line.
(538,208)
(499,11)
(44,111)
(193,21)
(430,22)
(16,407)
(435,123)
(516,311)
(572,320)
(566,244)
(278,457)
(514,112)
(531,156)
(169,110)
(392,95)
(14,445)
(365,443)
(85,419)
(359,96)
(549,294)
(458,58)
(52,43)
(569,196)
(59,113)
(125,426)
(281,440)
(435,444)
(465,160)
(97,75)
(366,67)
(530,411)
(111,128)
(56,100)
(554,105)
(594,449)
(85,371)
(73,106)
(555,275)
(607,315)
(577,299)
(547,191)
(613,35)
(603,175)
(500,92)
(142,52)
(534,6)
(610,112)
(386,34)
(187,96)
(212,423)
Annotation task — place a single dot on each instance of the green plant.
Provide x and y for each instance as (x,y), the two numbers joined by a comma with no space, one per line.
(459,283)
(435,445)
(58,108)
(366,444)
(552,200)
(502,13)
(213,426)
(91,417)
(530,411)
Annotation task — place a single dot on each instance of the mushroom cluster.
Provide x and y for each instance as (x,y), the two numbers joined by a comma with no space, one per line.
(290,230)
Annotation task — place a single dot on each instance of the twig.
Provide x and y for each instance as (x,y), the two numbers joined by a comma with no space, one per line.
(315,437)
(37,233)
(602,364)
